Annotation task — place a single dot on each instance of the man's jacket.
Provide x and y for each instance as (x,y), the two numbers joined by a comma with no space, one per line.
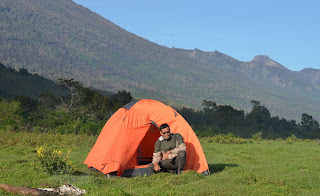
(175,143)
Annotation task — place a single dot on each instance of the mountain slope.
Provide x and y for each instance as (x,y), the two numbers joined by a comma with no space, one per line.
(62,39)
(13,83)
(311,76)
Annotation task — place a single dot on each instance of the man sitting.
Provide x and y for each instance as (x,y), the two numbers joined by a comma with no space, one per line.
(173,150)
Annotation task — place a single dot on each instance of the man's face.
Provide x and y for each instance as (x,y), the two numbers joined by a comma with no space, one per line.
(165,133)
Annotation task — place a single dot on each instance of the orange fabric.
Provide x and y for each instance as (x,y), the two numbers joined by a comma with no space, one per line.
(130,134)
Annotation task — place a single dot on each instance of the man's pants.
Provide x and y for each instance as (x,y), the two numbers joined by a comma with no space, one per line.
(177,163)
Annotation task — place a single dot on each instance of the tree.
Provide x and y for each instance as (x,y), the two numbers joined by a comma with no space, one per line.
(48,100)
(259,114)
(28,105)
(101,106)
(10,114)
(209,111)
(193,117)
(122,98)
(308,124)
(259,119)
(227,116)
(75,89)
(24,71)
(209,105)
(255,103)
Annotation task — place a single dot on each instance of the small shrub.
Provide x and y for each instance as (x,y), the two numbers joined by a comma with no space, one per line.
(55,162)
(257,136)
(307,140)
(210,139)
(291,139)
(231,135)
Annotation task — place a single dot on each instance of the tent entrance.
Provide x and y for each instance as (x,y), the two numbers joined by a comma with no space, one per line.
(146,147)
(144,153)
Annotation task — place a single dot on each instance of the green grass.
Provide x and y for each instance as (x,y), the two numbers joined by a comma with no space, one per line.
(267,167)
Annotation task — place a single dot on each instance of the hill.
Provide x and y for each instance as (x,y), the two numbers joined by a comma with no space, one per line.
(21,83)
(311,76)
(60,39)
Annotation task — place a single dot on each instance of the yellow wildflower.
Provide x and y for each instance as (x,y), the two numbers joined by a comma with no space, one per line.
(40,151)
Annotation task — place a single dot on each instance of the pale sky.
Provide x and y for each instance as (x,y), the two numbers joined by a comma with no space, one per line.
(288,31)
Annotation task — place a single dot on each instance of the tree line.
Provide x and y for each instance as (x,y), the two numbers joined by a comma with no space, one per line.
(81,111)
(216,119)
(85,111)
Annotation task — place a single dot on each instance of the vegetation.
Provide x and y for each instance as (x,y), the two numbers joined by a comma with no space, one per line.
(36,133)
(266,167)
(60,39)
(37,116)
(85,111)
(22,83)
(55,162)
(80,110)
(216,119)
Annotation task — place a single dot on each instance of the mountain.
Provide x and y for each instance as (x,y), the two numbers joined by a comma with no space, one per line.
(21,83)
(265,60)
(60,39)
(310,76)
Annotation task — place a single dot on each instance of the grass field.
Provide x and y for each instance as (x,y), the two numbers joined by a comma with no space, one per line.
(267,167)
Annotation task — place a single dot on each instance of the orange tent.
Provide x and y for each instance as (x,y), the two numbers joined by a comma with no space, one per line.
(126,142)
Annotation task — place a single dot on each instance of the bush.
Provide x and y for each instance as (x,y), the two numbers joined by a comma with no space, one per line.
(55,162)
(291,139)
(257,136)
(227,139)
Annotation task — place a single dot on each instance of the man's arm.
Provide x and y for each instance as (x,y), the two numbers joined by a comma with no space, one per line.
(156,156)
(157,153)
(180,145)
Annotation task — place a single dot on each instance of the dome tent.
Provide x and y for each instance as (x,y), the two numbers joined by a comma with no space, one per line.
(126,142)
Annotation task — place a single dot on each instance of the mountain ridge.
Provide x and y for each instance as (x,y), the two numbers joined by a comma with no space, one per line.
(265,60)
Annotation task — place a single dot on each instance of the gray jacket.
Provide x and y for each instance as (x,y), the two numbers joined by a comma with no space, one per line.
(175,143)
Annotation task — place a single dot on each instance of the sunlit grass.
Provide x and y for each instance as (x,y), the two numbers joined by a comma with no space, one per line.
(267,167)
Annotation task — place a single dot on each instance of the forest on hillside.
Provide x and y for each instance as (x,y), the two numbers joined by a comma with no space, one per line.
(85,111)
(22,83)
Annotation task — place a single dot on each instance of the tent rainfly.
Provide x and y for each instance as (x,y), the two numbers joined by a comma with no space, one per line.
(126,142)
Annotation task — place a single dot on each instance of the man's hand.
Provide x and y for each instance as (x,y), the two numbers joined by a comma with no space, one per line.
(156,167)
(165,156)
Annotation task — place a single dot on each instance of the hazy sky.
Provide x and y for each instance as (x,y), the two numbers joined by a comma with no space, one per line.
(288,31)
